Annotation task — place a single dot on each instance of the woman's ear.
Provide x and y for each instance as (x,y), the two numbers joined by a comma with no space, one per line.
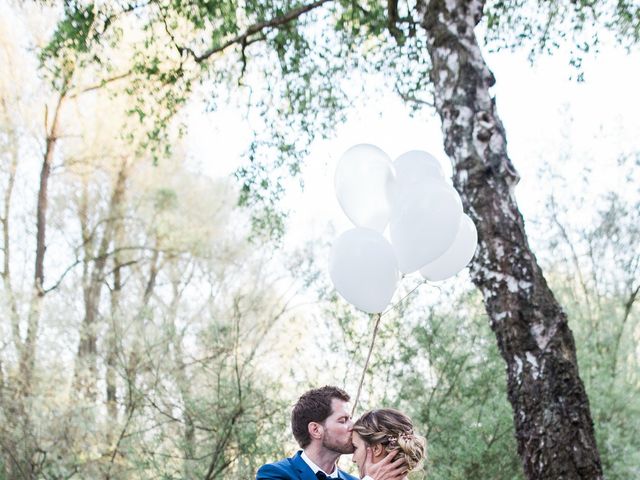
(378,450)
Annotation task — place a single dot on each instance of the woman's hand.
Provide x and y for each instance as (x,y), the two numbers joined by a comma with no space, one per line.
(385,469)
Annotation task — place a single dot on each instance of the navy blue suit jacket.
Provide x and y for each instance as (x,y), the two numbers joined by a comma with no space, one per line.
(294,468)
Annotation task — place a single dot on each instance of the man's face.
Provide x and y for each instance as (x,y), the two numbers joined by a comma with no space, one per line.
(337,428)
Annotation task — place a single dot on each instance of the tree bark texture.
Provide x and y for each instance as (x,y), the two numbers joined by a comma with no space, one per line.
(553,425)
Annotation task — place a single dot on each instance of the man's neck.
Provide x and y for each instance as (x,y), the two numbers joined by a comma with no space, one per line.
(323,458)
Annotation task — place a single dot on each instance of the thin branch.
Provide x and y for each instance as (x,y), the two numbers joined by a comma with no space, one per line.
(13,458)
(121,437)
(120,266)
(255,28)
(243,55)
(221,445)
(64,274)
(102,83)
(627,312)
(413,99)
(574,255)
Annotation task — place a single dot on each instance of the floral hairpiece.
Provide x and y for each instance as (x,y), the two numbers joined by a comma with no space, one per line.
(404,435)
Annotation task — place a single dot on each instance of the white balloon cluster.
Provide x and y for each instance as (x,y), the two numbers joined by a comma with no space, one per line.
(427,227)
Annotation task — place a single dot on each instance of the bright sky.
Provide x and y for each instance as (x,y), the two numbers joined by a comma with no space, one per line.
(544,112)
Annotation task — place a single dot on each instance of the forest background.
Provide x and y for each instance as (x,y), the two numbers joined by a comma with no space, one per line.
(165,329)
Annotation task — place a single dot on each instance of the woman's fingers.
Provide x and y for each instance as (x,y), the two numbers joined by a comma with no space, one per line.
(398,468)
(387,468)
(387,459)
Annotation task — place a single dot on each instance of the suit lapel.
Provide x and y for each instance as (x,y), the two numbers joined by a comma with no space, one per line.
(305,472)
(302,468)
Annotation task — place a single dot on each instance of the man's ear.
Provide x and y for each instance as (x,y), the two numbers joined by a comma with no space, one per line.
(315,430)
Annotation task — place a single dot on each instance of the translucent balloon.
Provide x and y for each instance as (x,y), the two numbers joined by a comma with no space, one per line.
(413,170)
(364,269)
(424,223)
(457,256)
(363,181)
(416,167)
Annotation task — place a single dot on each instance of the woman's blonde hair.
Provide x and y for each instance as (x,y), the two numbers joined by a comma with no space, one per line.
(394,431)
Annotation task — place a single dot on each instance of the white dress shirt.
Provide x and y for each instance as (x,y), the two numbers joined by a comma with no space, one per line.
(317,469)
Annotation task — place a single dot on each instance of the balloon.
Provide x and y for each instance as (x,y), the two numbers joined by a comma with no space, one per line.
(413,169)
(424,223)
(457,256)
(364,269)
(364,178)
(416,167)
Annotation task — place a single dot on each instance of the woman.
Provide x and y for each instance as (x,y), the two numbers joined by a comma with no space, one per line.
(383,431)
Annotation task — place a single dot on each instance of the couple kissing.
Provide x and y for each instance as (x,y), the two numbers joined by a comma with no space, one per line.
(382,441)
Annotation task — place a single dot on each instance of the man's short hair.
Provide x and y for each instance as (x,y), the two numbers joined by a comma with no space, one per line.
(313,406)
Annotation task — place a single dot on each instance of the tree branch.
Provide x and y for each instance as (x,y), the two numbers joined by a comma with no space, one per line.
(243,39)
(221,445)
(64,274)
(102,83)
(413,99)
(392,21)
(628,305)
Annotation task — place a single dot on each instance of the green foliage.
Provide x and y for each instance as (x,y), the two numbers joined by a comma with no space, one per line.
(70,45)
(298,71)
(543,27)
(459,400)
(73,32)
(593,267)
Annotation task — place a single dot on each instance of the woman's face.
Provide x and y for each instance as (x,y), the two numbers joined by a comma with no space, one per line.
(359,452)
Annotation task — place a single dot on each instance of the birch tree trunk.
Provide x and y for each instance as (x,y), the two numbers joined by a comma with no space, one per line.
(553,424)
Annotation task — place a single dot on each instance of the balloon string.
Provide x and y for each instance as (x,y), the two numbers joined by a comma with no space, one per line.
(395,305)
(377,316)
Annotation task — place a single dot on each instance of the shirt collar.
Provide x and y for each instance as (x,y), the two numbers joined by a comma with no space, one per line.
(316,468)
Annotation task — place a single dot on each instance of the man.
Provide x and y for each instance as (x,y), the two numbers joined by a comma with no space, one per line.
(322,427)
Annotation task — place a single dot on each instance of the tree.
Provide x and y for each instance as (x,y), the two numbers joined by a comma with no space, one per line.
(553,424)
(156,306)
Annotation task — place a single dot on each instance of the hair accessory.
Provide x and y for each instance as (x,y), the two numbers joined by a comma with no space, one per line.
(391,440)
(406,435)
